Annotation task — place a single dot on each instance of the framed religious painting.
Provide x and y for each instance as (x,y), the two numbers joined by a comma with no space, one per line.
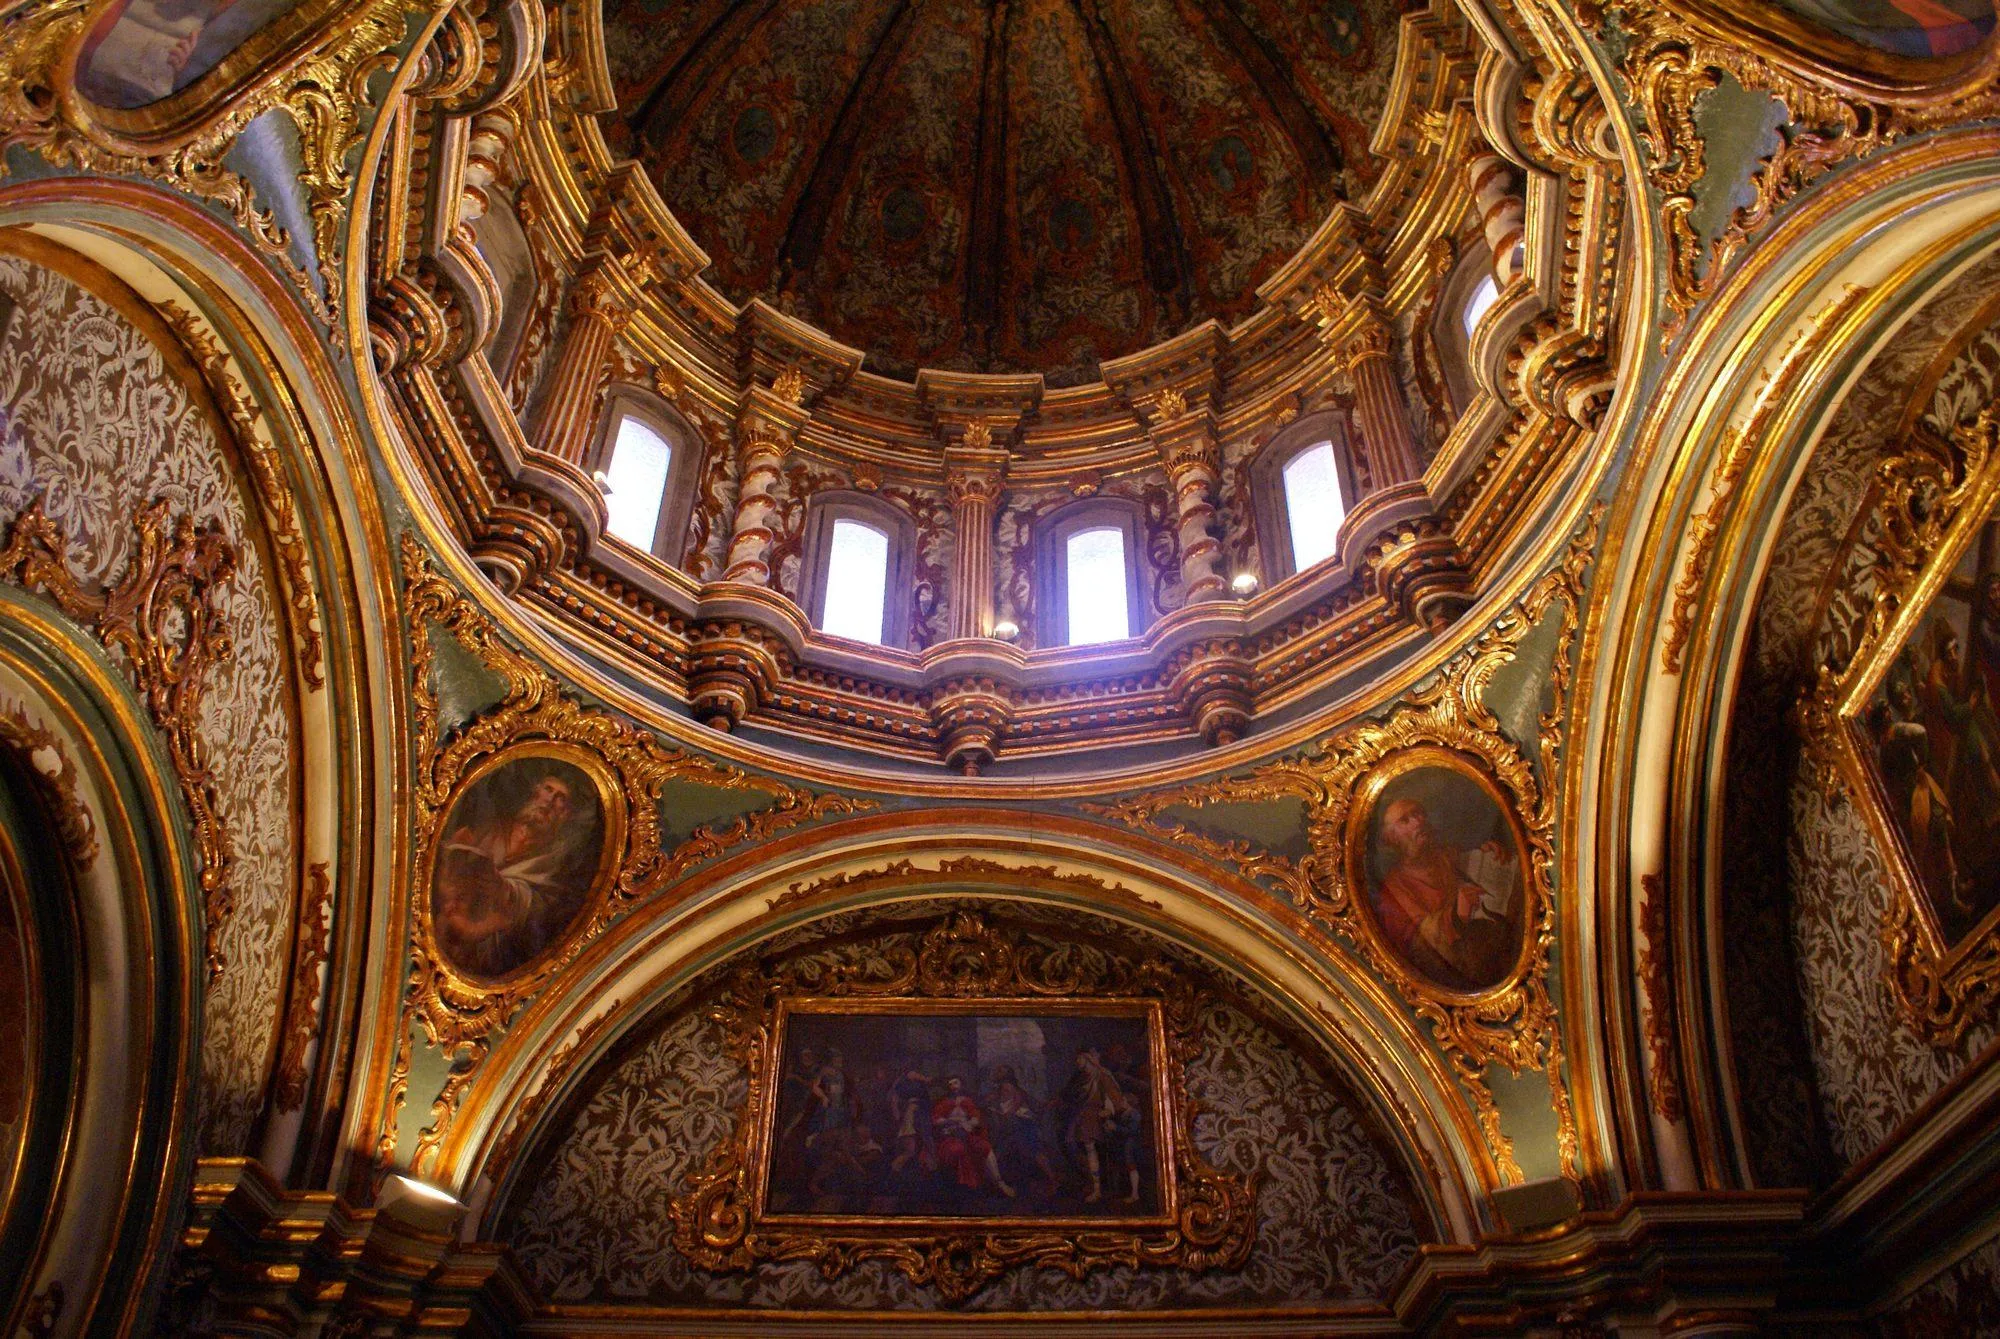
(975,1111)
(528,843)
(1437,863)
(1914,722)
(937,1113)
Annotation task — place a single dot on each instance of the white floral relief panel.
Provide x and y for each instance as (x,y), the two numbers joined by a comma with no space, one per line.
(94,424)
(592,1225)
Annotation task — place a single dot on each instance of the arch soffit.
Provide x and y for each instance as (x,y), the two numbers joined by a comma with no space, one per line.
(168,251)
(882,860)
(133,870)
(1741,407)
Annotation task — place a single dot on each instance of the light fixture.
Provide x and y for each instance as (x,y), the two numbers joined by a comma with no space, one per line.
(1006,629)
(603,482)
(419,1204)
(422,1190)
(1245,584)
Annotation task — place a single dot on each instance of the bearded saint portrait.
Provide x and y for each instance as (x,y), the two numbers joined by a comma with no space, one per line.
(520,851)
(1446,894)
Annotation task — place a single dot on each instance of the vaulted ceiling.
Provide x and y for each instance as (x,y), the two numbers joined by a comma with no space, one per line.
(1000,185)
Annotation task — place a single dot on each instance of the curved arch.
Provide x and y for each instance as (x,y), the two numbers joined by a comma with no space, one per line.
(170,252)
(120,1145)
(1738,416)
(883,859)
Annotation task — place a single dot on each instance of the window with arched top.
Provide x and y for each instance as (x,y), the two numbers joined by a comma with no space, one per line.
(1302,484)
(1089,590)
(1469,292)
(856,572)
(1480,301)
(647,464)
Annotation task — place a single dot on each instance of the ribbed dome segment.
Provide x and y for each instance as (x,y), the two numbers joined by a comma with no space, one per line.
(1020,185)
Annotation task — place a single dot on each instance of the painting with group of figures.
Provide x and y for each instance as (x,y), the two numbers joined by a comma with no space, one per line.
(1010,1112)
(1933,733)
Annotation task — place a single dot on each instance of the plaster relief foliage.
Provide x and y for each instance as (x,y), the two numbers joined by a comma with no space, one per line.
(96,429)
(590,1221)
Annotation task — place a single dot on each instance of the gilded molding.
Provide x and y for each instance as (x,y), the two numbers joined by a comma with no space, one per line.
(162,619)
(1663,1082)
(302,1008)
(717,1228)
(267,473)
(1771,397)
(1513,1024)
(458,1013)
(1928,498)
(34,742)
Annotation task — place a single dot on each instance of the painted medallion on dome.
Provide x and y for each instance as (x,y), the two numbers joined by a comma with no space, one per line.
(1442,864)
(523,852)
(140,51)
(1918,28)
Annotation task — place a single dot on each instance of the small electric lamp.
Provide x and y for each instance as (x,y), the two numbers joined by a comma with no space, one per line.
(1006,629)
(1245,585)
(603,482)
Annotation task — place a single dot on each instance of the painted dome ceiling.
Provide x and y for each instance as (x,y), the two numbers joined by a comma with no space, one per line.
(1013,185)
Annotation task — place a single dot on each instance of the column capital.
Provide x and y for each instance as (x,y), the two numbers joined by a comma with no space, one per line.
(603,289)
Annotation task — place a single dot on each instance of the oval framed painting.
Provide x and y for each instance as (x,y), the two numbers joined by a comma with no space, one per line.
(1437,865)
(529,843)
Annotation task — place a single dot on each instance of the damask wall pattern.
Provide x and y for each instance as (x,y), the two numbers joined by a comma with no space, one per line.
(592,1224)
(95,425)
(1822,885)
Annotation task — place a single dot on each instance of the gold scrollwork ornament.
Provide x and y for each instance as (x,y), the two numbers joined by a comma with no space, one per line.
(458,1011)
(1927,502)
(1512,1023)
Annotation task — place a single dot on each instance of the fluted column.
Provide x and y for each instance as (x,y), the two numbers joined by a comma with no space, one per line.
(764,432)
(598,310)
(1501,212)
(1367,346)
(1186,442)
(973,469)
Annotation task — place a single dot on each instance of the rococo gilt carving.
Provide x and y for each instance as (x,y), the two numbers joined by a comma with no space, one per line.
(1492,1005)
(470,975)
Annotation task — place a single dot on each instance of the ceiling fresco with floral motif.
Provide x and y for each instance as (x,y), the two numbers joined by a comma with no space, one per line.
(1000,185)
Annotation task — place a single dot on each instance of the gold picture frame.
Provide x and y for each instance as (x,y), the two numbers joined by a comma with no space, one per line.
(1373,793)
(963,967)
(1928,503)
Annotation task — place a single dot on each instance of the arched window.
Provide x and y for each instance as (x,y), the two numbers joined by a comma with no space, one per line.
(857,581)
(1302,484)
(1468,294)
(1094,582)
(1089,588)
(646,466)
(1313,505)
(856,572)
(1484,294)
